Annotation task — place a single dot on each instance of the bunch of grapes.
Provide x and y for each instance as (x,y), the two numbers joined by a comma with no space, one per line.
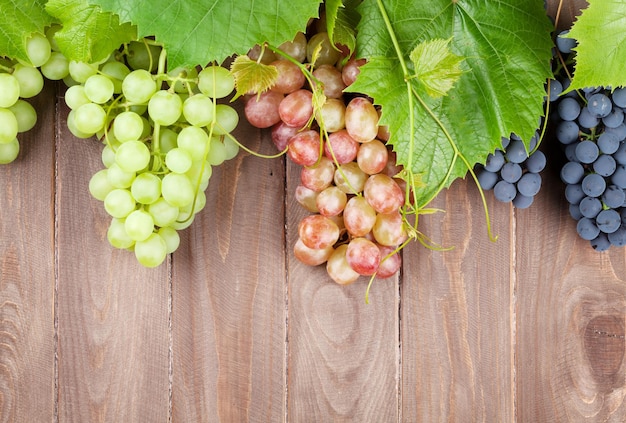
(162,131)
(513,173)
(589,125)
(23,80)
(348,172)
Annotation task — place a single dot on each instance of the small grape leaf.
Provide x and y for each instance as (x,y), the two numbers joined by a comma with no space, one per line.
(252,76)
(196,32)
(342,19)
(601,51)
(88,34)
(19,19)
(507,49)
(436,66)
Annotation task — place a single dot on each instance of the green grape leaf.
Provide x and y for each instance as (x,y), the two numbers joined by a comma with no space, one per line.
(252,76)
(88,34)
(196,33)
(19,20)
(601,51)
(506,46)
(342,19)
(436,66)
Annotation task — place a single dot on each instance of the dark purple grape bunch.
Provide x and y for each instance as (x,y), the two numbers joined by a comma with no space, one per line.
(590,127)
(513,172)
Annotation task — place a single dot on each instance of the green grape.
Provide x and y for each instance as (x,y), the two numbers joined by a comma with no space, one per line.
(217,152)
(327,53)
(198,110)
(25,114)
(116,71)
(167,140)
(132,156)
(38,49)
(142,55)
(75,97)
(9,90)
(165,107)
(227,119)
(171,238)
(152,251)
(89,118)
(178,160)
(99,185)
(108,153)
(146,188)
(50,33)
(184,73)
(163,213)
(71,125)
(57,67)
(138,86)
(199,174)
(128,126)
(117,235)
(194,140)
(8,126)
(9,151)
(183,222)
(99,88)
(177,189)
(120,178)
(30,80)
(81,71)
(231,147)
(139,225)
(119,203)
(216,81)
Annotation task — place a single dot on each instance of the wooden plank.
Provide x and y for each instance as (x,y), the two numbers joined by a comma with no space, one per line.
(456,314)
(571,318)
(343,354)
(228,318)
(27,273)
(113,347)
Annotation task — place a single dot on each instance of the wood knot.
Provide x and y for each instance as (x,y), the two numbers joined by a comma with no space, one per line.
(605,347)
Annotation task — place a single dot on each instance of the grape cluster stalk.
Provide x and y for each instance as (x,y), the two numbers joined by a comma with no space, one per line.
(348,173)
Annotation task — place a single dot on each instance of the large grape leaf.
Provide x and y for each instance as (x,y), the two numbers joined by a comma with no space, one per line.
(506,47)
(88,34)
(197,32)
(18,20)
(601,51)
(341,21)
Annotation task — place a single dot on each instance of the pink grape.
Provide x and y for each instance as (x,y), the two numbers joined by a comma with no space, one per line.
(389,229)
(351,70)
(307,198)
(262,111)
(358,216)
(311,256)
(317,231)
(330,78)
(388,266)
(343,146)
(363,256)
(332,115)
(319,176)
(350,178)
(372,157)
(290,77)
(331,201)
(338,268)
(296,108)
(383,193)
(281,133)
(361,119)
(304,148)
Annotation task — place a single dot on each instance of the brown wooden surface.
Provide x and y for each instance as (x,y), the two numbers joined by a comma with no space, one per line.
(232,328)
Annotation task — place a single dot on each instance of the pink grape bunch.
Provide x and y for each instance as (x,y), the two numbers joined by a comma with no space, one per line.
(347,179)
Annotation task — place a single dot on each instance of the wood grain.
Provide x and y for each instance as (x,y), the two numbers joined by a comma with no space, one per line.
(113,339)
(457,321)
(564,12)
(343,353)
(229,287)
(27,273)
(571,319)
